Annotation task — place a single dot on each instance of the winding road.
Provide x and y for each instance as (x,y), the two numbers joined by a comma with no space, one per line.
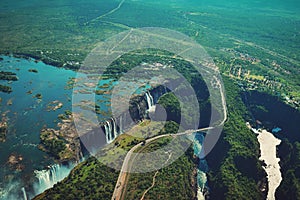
(120,186)
(153,180)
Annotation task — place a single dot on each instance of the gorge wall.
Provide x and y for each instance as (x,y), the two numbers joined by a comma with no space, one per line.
(140,106)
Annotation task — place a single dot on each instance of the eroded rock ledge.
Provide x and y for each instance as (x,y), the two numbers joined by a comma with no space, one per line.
(64,143)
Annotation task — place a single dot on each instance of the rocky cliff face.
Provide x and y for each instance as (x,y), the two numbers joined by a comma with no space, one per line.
(65,145)
(139,107)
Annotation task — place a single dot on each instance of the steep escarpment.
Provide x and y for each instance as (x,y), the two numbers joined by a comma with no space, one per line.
(89,180)
(175,181)
(235,169)
(64,143)
(92,179)
(271,112)
(108,130)
(290,169)
(139,108)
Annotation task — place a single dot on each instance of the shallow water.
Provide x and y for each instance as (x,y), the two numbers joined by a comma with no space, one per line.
(202,167)
(28,115)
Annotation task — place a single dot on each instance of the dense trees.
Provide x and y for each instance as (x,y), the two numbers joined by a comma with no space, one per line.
(89,180)
(176,181)
(5,88)
(290,168)
(171,105)
(272,112)
(236,172)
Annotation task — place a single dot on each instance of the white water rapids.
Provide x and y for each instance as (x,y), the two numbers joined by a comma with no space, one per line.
(268,143)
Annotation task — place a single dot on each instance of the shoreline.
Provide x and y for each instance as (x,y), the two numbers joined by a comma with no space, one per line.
(47,61)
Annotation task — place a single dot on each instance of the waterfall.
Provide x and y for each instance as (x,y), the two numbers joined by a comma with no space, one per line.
(24,193)
(109,131)
(48,178)
(121,125)
(81,156)
(110,126)
(106,132)
(115,132)
(202,167)
(150,101)
(107,128)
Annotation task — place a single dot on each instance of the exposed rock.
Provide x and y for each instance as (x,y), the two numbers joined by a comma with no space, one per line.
(63,143)
(33,70)
(3,128)
(14,162)
(9,102)
(39,96)
(54,105)
(5,88)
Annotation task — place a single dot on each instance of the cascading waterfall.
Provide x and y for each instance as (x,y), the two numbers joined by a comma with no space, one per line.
(115,132)
(110,131)
(121,125)
(202,168)
(107,128)
(110,128)
(150,101)
(24,193)
(48,178)
(106,132)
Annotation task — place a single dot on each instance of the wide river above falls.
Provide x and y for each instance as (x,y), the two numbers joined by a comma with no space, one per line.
(29,108)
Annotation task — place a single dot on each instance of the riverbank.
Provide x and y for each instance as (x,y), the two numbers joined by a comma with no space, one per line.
(24,114)
(63,143)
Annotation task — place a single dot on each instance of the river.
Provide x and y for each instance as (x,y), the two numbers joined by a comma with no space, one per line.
(22,164)
(26,171)
(268,148)
(202,169)
(26,117)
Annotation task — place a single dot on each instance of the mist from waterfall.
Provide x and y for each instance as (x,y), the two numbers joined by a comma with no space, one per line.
(24,193)
(121,125)
(47,178)
(202,167)
(110,129)
(115,132)
(150,102)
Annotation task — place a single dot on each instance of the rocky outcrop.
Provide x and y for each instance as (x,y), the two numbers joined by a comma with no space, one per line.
(15,162)
(63,143)
(66,145)
(126,119)
(3,128)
